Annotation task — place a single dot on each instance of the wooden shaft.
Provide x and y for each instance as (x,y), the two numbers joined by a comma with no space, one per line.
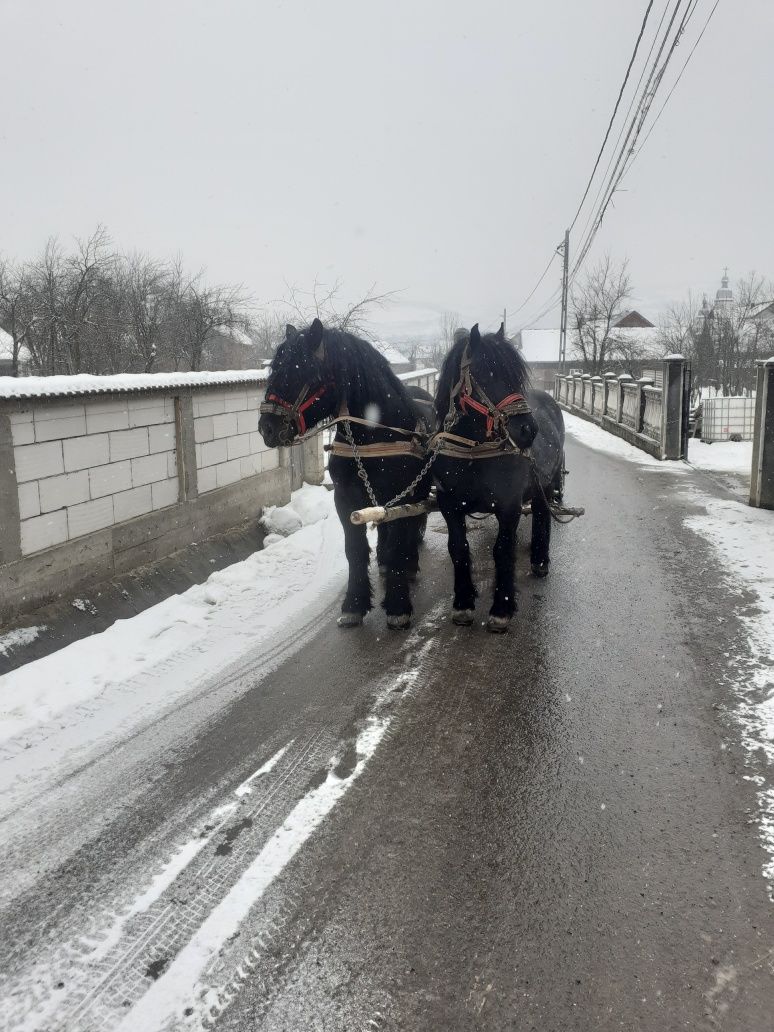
(378,514)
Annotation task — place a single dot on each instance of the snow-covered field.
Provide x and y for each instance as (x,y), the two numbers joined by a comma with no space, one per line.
(741,538)
(192,635)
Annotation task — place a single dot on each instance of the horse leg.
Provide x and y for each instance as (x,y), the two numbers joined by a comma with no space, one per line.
(504,602)
(459,550)
(398,550)
(357,600)
(541,535)
(381,546)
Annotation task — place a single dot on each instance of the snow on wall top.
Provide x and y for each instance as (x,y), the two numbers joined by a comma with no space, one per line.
(412,374)
(68,386)
(390,352)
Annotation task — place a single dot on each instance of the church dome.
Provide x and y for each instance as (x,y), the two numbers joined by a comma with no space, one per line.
(724,294)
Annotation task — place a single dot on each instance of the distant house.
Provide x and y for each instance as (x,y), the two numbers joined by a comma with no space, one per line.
(633,320)
(397,360)
(540,348)
(763,314)
(636,345)
(229,347)
(6,356)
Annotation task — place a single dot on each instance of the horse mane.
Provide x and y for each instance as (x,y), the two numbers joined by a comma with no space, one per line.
(493,355)
(361,373)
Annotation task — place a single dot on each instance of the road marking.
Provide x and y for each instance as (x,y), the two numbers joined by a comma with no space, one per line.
(245,788)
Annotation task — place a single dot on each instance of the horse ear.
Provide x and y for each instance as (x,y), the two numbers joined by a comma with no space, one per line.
(314,336)
(500,335)
(475,337)
(290,333)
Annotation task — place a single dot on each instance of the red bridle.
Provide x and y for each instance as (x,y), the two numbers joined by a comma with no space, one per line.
(513,401)
(296,411)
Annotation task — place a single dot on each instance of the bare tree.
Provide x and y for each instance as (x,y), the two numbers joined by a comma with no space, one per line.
(267,329)
(434,353)
(196,308)
(724,340)
(326,303)
(17,313)
(597,302)
(145,284)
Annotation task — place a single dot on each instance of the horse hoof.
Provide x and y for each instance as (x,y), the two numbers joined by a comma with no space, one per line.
(498,624)
(350,620)
(400,622)
(539,569)
(463,617)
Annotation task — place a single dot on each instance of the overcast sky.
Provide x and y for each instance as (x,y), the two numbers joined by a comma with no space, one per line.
(437,147)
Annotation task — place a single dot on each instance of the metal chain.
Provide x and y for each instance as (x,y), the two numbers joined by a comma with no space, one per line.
(361,471)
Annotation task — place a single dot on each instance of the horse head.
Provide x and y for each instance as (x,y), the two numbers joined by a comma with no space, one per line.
(299,391)
(489,380)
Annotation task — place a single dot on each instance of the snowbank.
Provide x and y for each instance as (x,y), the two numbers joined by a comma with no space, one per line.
(721,457)
(194,634)
(595,437)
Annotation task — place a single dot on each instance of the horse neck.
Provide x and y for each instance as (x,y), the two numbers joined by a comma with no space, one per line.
(393,404)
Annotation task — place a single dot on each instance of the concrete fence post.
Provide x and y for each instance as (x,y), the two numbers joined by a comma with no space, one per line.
(672,430)
(10,527)
(586,389)
(610,383)
(762,473)
(639,408)
(622,379)
(576,397)
(593,392)
(185,447)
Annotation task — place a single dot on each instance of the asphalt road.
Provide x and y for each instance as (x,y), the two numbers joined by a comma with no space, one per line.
(553,833)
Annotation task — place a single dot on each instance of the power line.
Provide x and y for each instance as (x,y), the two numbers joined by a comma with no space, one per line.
(625,122)
(557,294)
(534,289)
(679,77)
(626,153)
(615,112)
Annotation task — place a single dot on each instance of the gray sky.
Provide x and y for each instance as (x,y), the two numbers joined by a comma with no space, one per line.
(435,147)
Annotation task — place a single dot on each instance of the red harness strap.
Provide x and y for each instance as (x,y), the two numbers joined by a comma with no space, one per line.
(467,401)
(297,411)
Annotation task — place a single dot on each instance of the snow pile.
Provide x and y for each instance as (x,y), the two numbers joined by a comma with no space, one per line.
(721,457)
(308,506)
(595,437)
(16,639)
(741,538)
(246,607)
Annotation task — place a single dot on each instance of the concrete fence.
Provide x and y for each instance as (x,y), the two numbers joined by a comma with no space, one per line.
(100,475)
(649,416)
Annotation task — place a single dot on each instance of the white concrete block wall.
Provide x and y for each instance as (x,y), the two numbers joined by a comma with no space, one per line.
(228,445)
(87,465)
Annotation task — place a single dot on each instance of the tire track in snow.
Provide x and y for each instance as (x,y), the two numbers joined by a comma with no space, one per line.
(100,972)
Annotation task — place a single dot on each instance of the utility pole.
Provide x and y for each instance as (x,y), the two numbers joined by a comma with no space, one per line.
(563,322)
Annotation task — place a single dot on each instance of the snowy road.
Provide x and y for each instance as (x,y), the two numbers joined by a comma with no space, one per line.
(557,829)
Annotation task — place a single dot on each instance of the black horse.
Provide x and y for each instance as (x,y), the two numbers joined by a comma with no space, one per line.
(483,398)
(319,374)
